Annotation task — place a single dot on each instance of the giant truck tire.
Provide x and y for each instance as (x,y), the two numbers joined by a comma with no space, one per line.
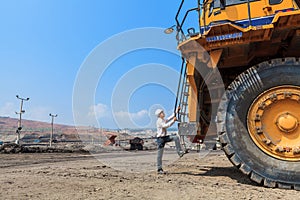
(258,123)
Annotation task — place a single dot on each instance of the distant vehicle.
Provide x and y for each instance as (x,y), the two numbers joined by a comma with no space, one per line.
(136,144)
(1,142)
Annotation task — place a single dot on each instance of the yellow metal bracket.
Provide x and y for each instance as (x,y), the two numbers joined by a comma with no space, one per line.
(193,91)
(215,56)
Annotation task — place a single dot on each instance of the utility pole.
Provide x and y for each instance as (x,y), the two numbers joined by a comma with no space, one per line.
(18,131)
(52,123)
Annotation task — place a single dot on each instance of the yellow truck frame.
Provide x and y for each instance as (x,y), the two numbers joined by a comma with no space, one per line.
(240,78)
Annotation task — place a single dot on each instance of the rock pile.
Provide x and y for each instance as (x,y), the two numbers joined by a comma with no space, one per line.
(14,148)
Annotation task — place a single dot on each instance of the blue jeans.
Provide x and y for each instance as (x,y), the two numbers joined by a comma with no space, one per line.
(161,141)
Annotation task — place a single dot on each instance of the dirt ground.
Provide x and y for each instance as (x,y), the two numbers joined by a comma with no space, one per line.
(127,176)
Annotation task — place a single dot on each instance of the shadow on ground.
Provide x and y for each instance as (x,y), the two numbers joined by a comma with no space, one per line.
(231,172)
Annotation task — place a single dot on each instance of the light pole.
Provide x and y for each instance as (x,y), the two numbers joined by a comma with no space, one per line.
(52,122)
(18,131)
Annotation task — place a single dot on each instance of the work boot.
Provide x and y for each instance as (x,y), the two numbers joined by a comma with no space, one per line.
(160,171)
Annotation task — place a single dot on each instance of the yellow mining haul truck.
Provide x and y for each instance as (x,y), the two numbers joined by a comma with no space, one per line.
(241,79)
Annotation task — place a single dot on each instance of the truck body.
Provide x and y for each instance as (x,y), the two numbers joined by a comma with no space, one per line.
(240,78)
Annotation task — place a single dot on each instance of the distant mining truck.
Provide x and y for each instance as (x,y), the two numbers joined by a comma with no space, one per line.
(136,143)
(240,78)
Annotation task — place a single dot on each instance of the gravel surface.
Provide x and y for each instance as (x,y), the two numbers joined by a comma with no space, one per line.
(115,176)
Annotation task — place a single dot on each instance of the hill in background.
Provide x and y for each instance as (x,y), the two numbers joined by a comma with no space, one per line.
(37,130)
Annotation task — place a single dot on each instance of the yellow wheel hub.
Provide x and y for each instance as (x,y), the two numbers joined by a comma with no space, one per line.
(287,122)
(273,122)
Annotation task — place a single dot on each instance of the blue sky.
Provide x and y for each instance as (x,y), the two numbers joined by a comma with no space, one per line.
(44,43)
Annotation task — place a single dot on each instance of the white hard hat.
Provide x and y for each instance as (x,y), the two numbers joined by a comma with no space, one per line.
(158,111)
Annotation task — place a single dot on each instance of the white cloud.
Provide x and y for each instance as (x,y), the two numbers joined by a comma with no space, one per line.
(131,120)
(134,116)
(8,110)
(139,115)
(100,110)
(121,119)
(38,113)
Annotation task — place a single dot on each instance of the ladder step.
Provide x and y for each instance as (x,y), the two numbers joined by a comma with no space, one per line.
(184,101)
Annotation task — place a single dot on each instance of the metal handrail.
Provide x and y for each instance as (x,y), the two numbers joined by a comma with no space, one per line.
(179,24)
(178,27)
(179,85)
(183,87)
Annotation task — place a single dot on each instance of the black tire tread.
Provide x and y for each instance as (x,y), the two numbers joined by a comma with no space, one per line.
(223,135)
